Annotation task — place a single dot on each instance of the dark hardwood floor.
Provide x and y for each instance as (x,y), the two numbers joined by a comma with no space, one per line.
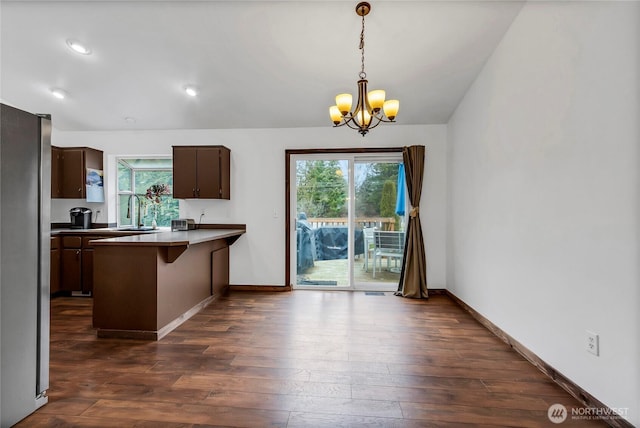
(299,359)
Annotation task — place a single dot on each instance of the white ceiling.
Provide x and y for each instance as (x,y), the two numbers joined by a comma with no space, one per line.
(257,64)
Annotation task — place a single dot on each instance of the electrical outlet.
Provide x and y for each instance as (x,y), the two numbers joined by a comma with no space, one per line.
(593,343)
(201,212)
(275,213)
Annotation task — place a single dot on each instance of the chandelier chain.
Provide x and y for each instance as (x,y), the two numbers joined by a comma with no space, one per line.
(362,74)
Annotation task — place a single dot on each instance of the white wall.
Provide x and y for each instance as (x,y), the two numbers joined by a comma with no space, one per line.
(258,185)
(543,192)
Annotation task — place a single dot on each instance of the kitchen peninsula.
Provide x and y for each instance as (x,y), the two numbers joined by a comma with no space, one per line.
(146,285)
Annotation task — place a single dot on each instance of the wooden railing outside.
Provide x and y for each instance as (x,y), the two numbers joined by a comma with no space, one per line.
(382,223)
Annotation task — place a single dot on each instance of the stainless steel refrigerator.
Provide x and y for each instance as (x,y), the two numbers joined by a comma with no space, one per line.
(25,198)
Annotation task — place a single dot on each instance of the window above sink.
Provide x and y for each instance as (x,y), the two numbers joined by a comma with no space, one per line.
(135,176)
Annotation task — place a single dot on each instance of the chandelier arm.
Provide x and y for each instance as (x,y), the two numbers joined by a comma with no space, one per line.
(377,123)
(351,123)
(378,115)
(347,119)
(385,119)
(382,117)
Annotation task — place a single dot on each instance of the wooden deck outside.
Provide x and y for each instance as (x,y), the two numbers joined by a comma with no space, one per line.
(324,272)
(301,359)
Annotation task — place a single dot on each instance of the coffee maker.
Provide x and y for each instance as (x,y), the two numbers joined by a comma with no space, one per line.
(80,218)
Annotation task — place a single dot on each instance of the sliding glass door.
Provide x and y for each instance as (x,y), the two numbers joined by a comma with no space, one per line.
(322,222)
(379,214)
(342,206)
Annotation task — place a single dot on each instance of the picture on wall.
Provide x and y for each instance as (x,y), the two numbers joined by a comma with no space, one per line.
(95,185)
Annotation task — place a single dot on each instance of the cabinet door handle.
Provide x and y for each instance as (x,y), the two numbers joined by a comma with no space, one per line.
(198,194)
(77,254)
(194,191)
(80,189)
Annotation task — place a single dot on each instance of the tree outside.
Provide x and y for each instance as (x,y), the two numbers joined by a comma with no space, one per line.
(388,202)
(376,190)
(322,188)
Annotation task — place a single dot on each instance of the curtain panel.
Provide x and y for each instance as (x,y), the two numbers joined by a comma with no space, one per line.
(413,277)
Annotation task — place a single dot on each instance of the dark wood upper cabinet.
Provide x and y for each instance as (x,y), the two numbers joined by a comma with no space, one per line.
(201,172)
(73,174)
(56,172)
(69,170)
(184,172)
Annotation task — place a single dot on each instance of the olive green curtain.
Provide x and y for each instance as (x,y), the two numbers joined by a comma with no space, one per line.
(413,277)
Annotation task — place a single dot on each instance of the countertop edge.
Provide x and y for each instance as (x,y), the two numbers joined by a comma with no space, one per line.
(169,239)
(101,231)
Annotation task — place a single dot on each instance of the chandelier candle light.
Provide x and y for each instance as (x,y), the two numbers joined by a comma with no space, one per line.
(371,108)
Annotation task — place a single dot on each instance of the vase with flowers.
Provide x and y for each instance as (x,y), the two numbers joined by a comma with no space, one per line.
(154,197)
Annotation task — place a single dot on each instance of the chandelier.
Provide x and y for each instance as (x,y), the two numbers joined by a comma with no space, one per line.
(371,107)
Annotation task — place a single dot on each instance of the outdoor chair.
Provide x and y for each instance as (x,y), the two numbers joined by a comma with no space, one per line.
(387,244)
(367,233)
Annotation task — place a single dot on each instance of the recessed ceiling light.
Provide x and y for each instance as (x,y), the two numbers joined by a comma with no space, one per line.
(191,90)
(58,93)
(78,47)
(130,119)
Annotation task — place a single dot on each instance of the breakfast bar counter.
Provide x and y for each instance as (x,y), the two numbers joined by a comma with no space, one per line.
(171,239)
(146,285)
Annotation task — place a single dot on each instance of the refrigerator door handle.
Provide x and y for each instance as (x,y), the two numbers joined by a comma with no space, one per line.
(42,379)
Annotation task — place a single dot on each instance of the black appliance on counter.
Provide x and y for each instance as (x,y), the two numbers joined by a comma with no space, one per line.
(80,218)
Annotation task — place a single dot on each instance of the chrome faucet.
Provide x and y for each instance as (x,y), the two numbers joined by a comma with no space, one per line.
(138,224)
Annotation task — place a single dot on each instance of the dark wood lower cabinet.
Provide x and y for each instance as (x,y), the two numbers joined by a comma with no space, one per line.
(71,269)
(87,262)
(76,264)
(54,272)
(87,270)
